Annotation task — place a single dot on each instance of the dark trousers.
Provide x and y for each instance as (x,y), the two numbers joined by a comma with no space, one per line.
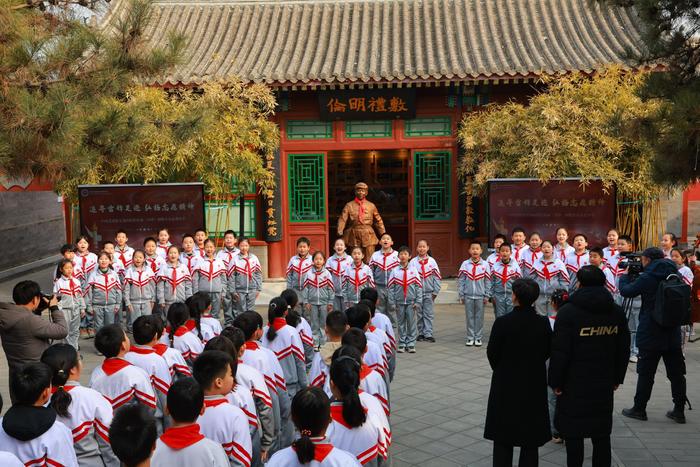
(646,370)
(503,456)
(601,452)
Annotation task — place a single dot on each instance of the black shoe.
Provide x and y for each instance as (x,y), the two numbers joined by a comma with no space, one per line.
(637,414)
(430,339)
(420,338)
(677,415)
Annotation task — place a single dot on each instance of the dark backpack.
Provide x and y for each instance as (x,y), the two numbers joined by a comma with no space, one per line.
(672,306)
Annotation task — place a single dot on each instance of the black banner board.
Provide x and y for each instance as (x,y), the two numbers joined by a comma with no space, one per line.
(367,104)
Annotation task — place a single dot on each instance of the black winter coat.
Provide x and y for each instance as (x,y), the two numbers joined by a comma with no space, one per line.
(590,351)
(650,335)
(518,348)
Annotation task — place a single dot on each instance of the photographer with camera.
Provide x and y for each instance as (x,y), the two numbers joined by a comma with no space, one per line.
(23,332)
(655,341)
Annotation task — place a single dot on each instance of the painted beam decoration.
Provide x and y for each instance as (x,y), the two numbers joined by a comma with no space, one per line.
(141,210)
(568,203)
(367,104)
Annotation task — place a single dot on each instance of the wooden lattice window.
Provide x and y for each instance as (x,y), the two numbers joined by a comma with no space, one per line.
(431,182)
(307,188)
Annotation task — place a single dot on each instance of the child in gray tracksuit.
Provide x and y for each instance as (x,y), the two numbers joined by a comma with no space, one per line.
(210,277)
(174,284)
(298,266)
(318,294)
(244,279)
(430,277)
(69,292)
(139,287)
(405,294)
(474,286)
(103,296)
(503,274)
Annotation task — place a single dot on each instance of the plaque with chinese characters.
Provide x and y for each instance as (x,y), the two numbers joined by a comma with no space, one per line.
(367,104)
(140,210)
(589,209)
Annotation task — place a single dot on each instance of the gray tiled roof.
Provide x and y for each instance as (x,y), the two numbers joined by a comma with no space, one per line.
(349,41)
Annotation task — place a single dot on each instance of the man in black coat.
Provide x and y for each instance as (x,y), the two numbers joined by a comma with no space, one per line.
(518,412)
(655,341)
(590,350)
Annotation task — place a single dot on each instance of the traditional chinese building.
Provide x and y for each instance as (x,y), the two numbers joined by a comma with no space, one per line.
(374,90)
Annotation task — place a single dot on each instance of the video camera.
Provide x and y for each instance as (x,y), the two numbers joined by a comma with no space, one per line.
(632,262)
(44,299)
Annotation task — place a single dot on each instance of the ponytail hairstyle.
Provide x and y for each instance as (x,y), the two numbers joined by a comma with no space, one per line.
(276,309)
(177,316)
(59,268)
(196,305)
(674,239)
(345,376)
(311,413)
(292,299)
(61,358)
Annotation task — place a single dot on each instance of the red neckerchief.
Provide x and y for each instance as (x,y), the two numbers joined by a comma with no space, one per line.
(112,365)
(372,328)
(65,388)
(301,270)
(211,268)
(517,252)
(360,209)
(533,257)
(357,278)
(182,437)
(612,251)
(181,331)
(545,270)
(247,270)
(405,282)
(160,348)
(278,323)
(504,278)
(84,257)
(364,371)
(252,345)
(174,279)
(122,258)
(143,350)
(578,259)
(153,264)
(214,401)
(321,449)
(337,262)
(71,286)
(422,262)
(337,414)
(474,266)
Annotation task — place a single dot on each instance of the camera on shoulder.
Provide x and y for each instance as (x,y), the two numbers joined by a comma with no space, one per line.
(632,262)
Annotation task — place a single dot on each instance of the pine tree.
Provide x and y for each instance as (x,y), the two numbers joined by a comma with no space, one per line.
(672,40)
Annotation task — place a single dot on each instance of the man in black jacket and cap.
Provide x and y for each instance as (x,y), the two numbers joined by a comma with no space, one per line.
(655,341)
(590,351)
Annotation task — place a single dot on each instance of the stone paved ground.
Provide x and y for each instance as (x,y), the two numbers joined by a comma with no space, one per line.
(439,400)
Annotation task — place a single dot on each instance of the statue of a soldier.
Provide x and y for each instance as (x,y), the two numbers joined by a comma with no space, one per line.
(358,221)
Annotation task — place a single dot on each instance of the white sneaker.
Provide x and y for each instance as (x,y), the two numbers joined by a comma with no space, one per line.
(634,359)
(401,349)
(469,343)
(477,342)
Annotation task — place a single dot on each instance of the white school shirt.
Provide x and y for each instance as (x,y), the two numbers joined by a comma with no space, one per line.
(174,359)
(69,287)
(610,279)
(372,383)
(336,265)
(162,250)
(280,380)
(87,262)
(686,274)
(226,424)
(298,266)
(375,358)
(382,321)
(174,448)
(211,327)
(54,447)
(375,411)
(141,279)
(529,259)
(381,338)
(191,262)
(304,331)
(546,271)
(210,269)
(254,380)
(256,357)
(90,416)
(519,253)
(185,341)
(382,264)
(493,257)
(574,262)
(7,459)
(227,255)
(242,398)
(563,252)
(325,455)
(319,375)
(609,253)
(287,342)
(154,263)
(148,360)
(364,441)
(120,382)
(125,257)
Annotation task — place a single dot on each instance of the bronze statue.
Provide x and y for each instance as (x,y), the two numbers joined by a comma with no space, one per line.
(357,222)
